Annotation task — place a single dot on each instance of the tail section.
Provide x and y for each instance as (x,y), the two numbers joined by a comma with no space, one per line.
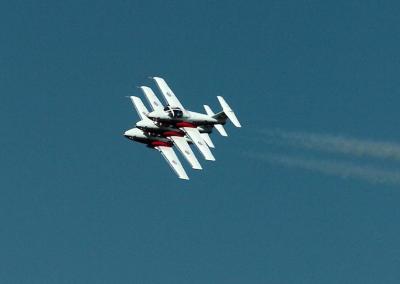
(208,110)
(219,127)
(228,111)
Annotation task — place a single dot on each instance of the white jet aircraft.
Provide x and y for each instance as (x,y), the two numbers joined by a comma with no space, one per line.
(175,135)
(157,105)
(196,137)
(167,126)
(161,144)
(174,113)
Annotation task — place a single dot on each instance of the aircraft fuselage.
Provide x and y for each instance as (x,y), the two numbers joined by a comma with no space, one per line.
(195,118)
(138,135)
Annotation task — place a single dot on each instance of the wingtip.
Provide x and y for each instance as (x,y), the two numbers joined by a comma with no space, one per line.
(154,77)
(131,97)
(143,88)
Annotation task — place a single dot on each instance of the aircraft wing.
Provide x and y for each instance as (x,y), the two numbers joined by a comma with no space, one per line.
(184,148)
(195,136)
(140,107)
(166,91)
(207,139)
(169,154)
(152,98)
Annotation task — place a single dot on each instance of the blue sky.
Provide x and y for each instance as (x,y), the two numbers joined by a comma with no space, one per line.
(79,203)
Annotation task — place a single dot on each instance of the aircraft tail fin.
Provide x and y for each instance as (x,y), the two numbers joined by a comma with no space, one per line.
(228,111)
(219,127)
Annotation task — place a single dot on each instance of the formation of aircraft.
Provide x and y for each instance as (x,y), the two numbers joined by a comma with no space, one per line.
(169,126)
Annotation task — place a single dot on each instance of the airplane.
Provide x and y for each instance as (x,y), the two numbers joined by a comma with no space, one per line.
(173,125)
(156,104)
(175,113)
(163,145)
(189,129)
(175,135)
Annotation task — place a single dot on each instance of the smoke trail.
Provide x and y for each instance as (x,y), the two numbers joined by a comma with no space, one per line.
(335,144)
(341,169)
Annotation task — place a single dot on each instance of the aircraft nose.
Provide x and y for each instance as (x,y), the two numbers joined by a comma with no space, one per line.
(140,124)
(129,133)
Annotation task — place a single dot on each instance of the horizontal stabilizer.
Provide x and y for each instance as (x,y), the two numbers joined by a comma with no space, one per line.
(228,111)
(208,110)
(184,148)
(207,139)
(219,127)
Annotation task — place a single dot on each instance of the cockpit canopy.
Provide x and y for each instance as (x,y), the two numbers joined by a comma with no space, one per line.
(173,112)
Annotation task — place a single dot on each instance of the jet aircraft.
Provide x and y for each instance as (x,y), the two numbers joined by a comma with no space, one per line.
(173,125)
(164,145)
(176,135)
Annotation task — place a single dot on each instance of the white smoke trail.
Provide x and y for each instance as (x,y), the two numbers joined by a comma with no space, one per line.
(341,169)
(335,144)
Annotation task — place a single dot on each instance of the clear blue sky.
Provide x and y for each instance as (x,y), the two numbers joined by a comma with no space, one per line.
(79,203)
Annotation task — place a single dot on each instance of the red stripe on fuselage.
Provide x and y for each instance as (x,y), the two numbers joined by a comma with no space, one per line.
(172,133)
(160,143)
(185,124)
